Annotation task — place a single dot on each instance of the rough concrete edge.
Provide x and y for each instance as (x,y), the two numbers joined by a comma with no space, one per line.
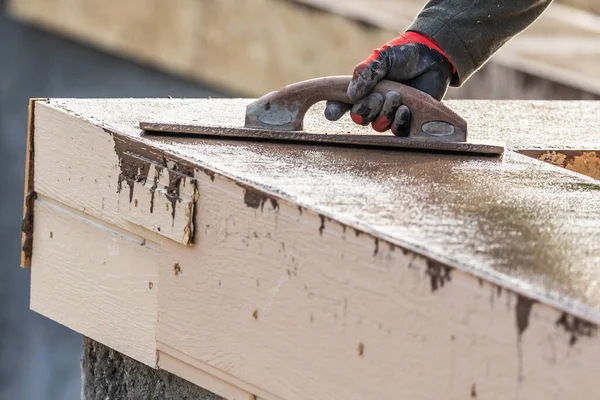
(120,371)
(28,189)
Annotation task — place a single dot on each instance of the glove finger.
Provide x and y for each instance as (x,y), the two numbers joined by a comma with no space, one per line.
(367,109)
(401,124)
(367,74)
(335,110)
(392,101)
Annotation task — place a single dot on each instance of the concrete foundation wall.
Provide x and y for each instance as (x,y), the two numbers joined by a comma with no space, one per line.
(107,374)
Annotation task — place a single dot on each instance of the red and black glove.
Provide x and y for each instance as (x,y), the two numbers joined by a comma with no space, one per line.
(412,59)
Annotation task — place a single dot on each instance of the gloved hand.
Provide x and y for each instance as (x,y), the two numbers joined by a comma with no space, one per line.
(412,59)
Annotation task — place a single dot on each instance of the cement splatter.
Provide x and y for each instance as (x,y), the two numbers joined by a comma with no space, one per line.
(254,198)
(523,311)
(360,349)
(132,168)
(577,327)
(27,225)
(322,226)
(439,274)
(157,173)
(135,160)
(173,191)
(211,174)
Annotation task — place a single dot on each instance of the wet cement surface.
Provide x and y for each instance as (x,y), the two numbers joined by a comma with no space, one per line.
(523,223)
(39,359)
(521,124)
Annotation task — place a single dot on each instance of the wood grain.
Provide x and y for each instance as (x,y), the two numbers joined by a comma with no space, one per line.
(87,177)
(305,314)
(97,280)
(204,375)
(28,188)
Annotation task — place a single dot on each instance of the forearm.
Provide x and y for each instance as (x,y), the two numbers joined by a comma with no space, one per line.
(470,31)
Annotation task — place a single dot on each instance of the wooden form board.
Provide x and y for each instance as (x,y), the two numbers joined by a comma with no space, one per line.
(320,273)
(251,47)
(29,193)
(588,5)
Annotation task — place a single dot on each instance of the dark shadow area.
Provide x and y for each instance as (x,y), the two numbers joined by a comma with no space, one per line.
(39,359)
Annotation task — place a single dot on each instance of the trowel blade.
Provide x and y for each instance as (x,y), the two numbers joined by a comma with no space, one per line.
(356,140)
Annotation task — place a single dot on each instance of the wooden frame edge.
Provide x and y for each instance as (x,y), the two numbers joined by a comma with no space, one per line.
(207,376)
(28,189)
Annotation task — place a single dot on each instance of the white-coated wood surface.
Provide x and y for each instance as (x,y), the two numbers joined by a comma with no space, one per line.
(96,279)
(305,315)
(86,176)
(276,301)
(204,375)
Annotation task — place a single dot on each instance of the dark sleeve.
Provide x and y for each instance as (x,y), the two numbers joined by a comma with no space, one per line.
(470,31)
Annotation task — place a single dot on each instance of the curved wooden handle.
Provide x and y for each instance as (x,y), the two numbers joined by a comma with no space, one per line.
(284,110)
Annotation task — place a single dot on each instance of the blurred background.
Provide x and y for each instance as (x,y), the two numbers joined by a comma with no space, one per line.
(199,48)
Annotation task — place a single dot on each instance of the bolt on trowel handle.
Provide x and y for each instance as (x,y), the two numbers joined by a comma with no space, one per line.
(284,110)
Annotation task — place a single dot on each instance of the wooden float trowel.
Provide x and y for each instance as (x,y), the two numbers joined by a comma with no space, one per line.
(279,116)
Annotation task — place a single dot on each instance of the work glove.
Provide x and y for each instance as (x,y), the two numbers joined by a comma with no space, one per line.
(412,59)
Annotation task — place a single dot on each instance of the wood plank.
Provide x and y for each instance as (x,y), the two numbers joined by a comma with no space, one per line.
(305,308)
(29,194)
(263,45)
(588,5)
(150,193)
(99,281)
(204,375)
